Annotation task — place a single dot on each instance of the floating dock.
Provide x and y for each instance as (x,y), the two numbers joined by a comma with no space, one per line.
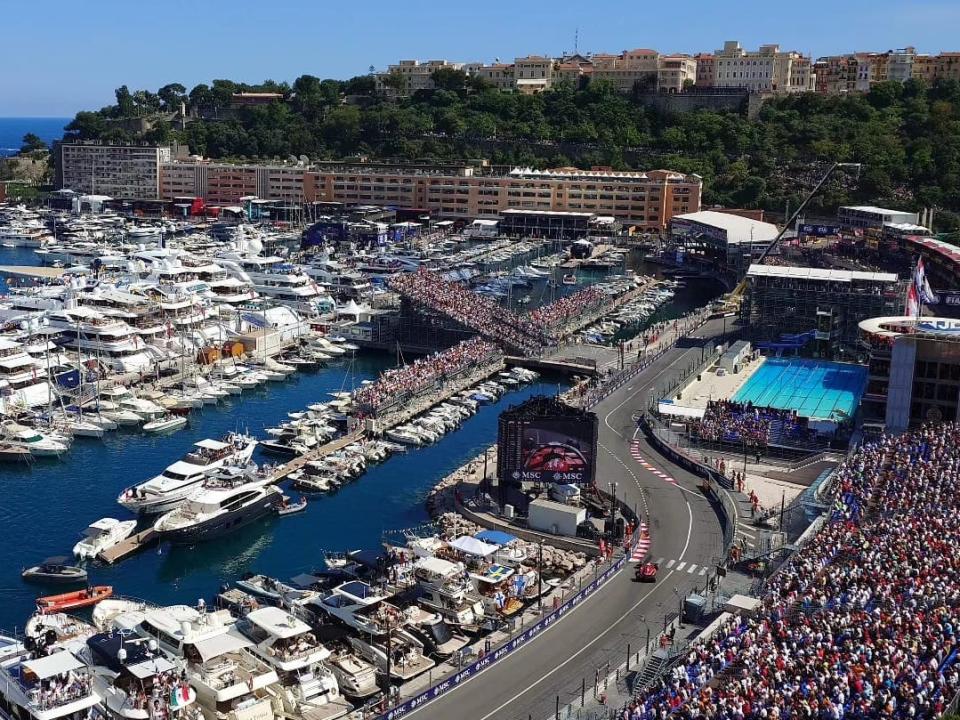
(133,544)
(31,271)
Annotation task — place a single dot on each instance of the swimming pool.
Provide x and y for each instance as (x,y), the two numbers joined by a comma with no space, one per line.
(814,388)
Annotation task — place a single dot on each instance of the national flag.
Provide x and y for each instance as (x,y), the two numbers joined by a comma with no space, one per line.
(912,308)
(922,285)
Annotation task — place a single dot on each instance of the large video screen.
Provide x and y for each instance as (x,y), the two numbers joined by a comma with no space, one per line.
(557,450)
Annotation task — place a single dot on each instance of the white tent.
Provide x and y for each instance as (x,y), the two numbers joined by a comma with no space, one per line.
(472,546)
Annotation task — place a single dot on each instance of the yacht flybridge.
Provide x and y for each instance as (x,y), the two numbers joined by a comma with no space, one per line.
(171,488)
(28,681)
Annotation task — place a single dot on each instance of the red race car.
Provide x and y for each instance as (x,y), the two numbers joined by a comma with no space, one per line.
(647,572)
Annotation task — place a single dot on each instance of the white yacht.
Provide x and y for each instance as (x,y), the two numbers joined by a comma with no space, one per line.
(446,589)
(23,378)
(170,488)
(103,534)
(39,444)
(130,675)
(359,606)
(26,235)
(27,684)
(356,677)
(96,335)
(290,647)
(231,683)
(125,399)
(276,278)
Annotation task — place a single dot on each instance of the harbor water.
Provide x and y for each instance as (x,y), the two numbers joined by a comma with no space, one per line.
(45,506)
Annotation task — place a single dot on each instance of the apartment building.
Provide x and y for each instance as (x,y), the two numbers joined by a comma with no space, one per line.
(224,183)
(647,200)
(499,75)
(837,74)
(674,71)
(416,76)
(129,172)
(767,70)
(706,70)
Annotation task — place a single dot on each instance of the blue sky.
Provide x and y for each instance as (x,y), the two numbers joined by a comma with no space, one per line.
(60,57)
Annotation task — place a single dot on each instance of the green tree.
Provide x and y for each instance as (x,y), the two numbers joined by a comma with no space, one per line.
(32,143)
(171,96)
(125,105)
(446,78)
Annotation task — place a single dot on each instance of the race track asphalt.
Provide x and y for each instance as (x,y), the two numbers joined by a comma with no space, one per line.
(594,637)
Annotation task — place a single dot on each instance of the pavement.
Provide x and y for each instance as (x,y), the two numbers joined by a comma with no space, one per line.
(686,539)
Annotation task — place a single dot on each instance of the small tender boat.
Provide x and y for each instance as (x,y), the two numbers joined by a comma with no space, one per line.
(55,570)
(264,586)
(167,423)
(103,534)
(569,280)
(73,600)
(290,508)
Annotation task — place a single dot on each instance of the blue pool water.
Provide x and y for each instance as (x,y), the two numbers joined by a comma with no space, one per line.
(814,388)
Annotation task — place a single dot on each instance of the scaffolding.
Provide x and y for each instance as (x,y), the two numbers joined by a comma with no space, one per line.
(825,306)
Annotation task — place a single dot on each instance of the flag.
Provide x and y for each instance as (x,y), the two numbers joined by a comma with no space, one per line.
(922,285)
(912,308)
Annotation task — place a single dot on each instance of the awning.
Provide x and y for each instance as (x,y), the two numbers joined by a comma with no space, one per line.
(230,641)
(17,361)
(52,665)
(496,537)
(151,667)
(436,565)
(472,546)
(211,445)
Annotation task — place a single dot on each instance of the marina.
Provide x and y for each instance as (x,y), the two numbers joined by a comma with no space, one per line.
(184,442)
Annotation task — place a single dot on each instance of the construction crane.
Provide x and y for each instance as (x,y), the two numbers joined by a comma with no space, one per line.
(732,301)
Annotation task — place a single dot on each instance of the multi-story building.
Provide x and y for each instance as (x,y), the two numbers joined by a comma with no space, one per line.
(532,74)
(220,183)
(914,370)
(675,71)
(706,70)
(631,69)
(868,216)
(129,172)
(498,75)
(415,76)
(647,200)
(767,70)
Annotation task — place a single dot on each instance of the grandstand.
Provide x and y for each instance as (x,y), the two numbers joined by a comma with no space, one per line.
(861,622)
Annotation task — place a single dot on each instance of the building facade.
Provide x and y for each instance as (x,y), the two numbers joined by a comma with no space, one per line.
(868,216)
(414,74)
(128,172)
(767,70)
(914,371)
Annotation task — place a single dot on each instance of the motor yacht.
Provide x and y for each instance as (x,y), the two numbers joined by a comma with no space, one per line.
(445,588)
(169,489)
(103,534)
(44,684)
(359,606)
(231,682)
(39,444)
(290,647)
(226,501)
(134,679)
(356,677)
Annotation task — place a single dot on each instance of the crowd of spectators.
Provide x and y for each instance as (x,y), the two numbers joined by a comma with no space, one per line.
(472,310)
(862,621)
(404,382)
(561,311)
(735,422)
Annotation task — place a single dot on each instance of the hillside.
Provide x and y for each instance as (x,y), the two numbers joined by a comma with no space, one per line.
(907,136)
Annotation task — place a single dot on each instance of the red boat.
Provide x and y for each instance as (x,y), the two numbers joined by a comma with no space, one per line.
(73,600)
